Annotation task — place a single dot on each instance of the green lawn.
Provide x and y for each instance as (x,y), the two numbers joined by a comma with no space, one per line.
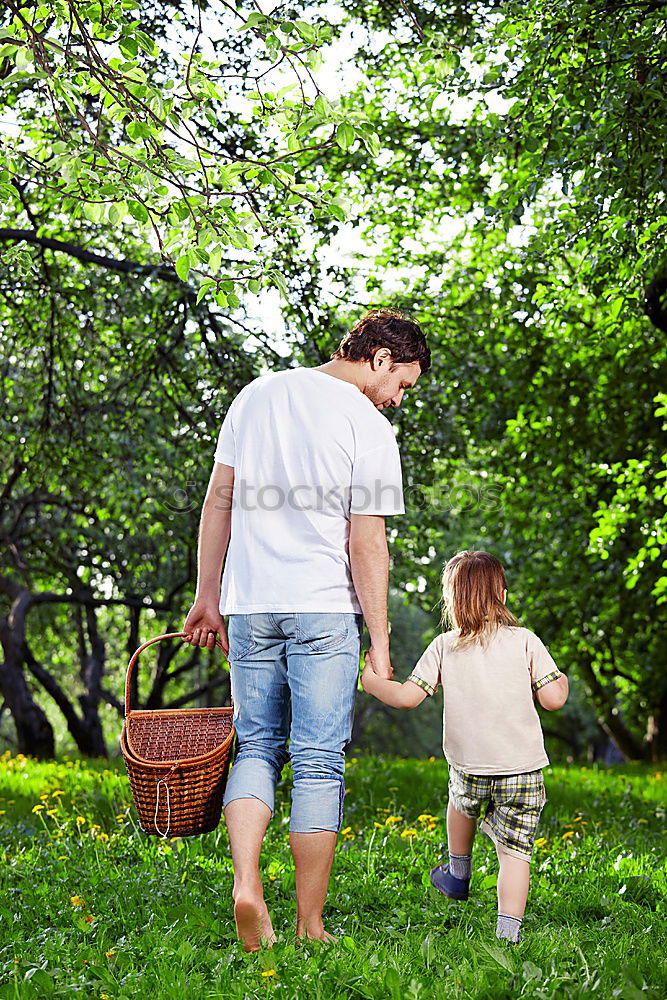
(92,907)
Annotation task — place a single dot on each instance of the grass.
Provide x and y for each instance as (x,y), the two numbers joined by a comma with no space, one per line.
(92,907)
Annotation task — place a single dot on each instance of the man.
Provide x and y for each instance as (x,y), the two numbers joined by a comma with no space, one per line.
(306,470)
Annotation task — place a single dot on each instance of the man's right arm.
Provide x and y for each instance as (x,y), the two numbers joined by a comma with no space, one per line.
(369,563)
(214,533)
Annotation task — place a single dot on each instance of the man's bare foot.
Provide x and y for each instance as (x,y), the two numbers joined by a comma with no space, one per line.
(314,932)
(253,923)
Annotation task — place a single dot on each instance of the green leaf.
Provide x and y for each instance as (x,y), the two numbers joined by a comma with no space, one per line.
(129,47)
(345,135)
(71,169)
(293,142)
(183,266)
(215,258)
(372,143)
(138,130)
(306,31)
(147,44)
(93,211)
(117,212)
(137,210)
(203,289)
(279,281)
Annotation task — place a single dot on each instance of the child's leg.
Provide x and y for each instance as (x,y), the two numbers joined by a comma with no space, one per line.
(460,836)
(467,793)
(513,881)
(511,822)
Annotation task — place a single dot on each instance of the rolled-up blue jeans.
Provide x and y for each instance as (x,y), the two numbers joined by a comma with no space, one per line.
(294,677)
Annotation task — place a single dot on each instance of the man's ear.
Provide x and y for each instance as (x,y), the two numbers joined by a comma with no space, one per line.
(381,359)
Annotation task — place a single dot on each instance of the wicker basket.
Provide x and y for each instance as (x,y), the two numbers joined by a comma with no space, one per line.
(177,761)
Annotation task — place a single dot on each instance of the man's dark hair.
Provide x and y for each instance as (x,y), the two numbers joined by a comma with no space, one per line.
(387,328)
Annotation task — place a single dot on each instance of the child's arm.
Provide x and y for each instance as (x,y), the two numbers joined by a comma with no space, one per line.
(407,695)
(553,695)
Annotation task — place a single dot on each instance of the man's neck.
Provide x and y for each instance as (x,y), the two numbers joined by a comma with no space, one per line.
(346,371)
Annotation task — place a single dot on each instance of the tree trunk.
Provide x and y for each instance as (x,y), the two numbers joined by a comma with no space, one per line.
(92,672)
(630,746)
(132,646)
(656,731)
(34,732)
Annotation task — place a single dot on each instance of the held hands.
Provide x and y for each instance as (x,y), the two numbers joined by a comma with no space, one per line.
(380,661)
(202,624)
(370,674)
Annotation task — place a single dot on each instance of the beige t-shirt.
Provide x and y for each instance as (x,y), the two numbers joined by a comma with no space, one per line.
(490,724)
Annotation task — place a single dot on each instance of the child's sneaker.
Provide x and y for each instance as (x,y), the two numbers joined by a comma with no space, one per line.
(446,883)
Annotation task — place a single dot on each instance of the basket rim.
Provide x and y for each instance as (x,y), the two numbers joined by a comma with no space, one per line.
(128,751)
(218,709)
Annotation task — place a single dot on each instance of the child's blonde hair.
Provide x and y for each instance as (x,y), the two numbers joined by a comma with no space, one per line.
(472,596)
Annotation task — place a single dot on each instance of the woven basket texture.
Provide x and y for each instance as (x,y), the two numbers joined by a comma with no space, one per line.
(177,761)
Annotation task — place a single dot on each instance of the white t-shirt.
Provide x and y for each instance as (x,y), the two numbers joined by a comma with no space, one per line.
(308,450)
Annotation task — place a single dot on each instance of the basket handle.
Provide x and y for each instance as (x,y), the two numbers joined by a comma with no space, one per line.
(135,657)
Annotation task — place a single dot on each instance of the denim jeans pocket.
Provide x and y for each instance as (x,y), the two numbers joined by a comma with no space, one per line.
(241,639)
(322,632)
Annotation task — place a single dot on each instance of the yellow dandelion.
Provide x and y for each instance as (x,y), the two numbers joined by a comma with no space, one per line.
(408,833)
(578,819)
(51,812)
(540,842)
(269,972)
(80,820)
(63,857)
(2,812)
(89,918)
(570,833)
(348,829)
(37,808)
(379,826)
(77,901)
(110,953)
(57,793)
(104,996)
(103,836)
(45,796)
(95,826)
(394,819)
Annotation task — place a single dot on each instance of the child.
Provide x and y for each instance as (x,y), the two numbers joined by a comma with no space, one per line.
(489,668)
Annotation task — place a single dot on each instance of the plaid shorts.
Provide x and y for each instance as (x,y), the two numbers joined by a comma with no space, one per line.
(512,805)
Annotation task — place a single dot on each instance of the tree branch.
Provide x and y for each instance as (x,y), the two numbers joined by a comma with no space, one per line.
(122,266)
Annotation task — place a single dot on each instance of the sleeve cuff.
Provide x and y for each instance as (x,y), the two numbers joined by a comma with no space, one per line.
(420,682)
(224,459)
(553,676)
